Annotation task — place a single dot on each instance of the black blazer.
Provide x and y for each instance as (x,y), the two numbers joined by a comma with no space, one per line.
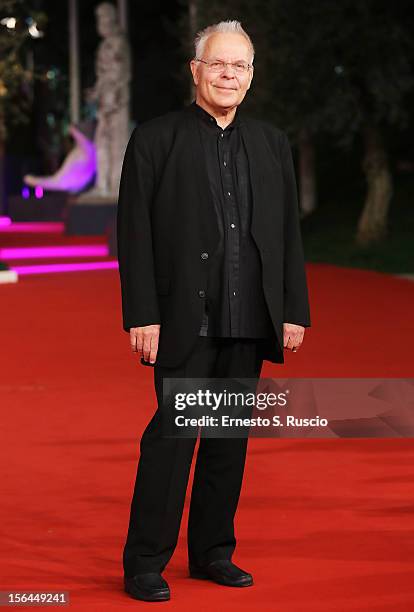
(165,223)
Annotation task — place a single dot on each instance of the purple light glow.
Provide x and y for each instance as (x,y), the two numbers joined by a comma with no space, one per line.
(35,226)
(5,221)
(95,250)
(76,171)
(38,192)
(66,267)
(25,193)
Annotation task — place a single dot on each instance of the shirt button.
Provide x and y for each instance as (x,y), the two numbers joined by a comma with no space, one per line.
(225,163)
(232,226)
(228,193)
(204,255)
(234,293)
(201,293)
(222,134)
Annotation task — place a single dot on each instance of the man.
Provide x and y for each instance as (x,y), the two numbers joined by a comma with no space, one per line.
(213,282)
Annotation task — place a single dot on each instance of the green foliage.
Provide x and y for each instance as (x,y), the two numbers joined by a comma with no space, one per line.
(328,234)
(15,76)
(329,66)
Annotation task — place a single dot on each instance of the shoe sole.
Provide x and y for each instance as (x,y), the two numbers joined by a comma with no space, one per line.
(200,575)
(162,596)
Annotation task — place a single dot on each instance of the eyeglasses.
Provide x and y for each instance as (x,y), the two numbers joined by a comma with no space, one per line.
(219,66)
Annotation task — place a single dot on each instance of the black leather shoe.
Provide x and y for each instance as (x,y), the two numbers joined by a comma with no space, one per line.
(148,587)
(223,572)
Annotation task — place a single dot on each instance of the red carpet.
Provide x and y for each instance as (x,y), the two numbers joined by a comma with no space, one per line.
(322,525)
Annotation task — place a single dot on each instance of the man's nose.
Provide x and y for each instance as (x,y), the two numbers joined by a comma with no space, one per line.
(228,74)
(228,71)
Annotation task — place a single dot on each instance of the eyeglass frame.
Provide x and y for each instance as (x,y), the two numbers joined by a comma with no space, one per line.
(225,64)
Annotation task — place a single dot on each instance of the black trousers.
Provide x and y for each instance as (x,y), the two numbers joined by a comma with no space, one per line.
(164,467)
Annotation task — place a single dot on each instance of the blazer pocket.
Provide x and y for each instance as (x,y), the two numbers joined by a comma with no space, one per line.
(163,284)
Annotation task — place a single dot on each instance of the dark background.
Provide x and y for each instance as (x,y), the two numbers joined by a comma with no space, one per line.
(157,83)
(161,82)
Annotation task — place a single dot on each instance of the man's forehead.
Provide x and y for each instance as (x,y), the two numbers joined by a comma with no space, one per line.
(228,44)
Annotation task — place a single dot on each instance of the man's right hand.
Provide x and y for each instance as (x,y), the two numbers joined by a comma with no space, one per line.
(144,341)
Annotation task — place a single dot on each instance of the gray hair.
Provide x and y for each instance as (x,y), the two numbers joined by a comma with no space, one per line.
(222,27)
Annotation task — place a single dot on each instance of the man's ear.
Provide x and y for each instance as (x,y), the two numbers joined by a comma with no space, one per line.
(193,68)
(251,79)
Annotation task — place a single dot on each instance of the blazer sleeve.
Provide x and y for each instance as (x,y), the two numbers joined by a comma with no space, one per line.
(134,236)
(296,301)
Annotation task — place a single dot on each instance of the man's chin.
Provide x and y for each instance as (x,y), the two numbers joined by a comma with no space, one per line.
(226,104)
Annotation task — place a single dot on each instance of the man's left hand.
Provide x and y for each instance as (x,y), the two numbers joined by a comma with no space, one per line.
(292,336)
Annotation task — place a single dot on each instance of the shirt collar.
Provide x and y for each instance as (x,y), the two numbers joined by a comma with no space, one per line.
(210,120)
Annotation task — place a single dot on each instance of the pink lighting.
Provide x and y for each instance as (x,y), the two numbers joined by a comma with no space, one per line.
(5,222)
(26,193)
(66,267)
(95,250)
(33,226)
(38,192)
(77,170)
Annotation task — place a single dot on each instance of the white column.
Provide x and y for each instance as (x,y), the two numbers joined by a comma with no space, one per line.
(123,15)
(74,71)
(123,22)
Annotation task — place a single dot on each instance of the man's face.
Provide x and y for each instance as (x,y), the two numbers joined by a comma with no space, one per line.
(224,90)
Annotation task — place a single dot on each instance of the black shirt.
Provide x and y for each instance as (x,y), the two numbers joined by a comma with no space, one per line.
(235,304)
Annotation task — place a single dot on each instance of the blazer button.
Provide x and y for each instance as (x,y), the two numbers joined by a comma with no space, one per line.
(202,293)
(204,255)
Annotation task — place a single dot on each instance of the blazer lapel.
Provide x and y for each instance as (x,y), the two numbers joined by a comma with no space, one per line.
(253,141)
(199,176)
